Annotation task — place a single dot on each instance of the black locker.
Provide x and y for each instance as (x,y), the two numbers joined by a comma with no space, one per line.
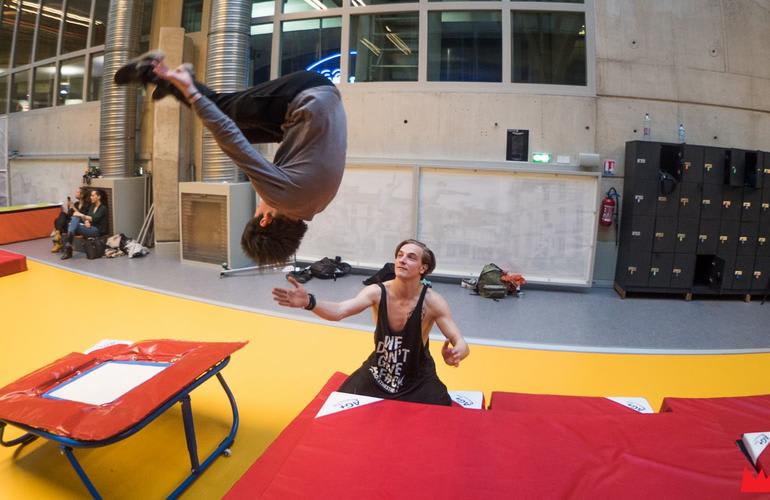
(764,207)
(716,274)
(682,271)
(732,197)
(766,172)
(689,200)
(668,203)
(642,159)
(661,265)
(664,234)
(711,201)
(763,239)
(727,240)
(686,237)
(761,275)
(739,275)
(736,165)
(714,165)
(642,197)
(747,238)
(632,269)
(753,170)
(751,204)
(692,164)
(708,237)
(636,233)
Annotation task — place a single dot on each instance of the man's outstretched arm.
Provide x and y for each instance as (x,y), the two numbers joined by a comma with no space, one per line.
(455,348)
(297,296)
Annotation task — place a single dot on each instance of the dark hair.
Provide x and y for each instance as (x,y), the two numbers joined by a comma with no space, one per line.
(273,244)
(102,196)
(427,255)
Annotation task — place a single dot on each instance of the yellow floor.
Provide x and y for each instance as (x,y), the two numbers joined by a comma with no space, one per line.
(47,312)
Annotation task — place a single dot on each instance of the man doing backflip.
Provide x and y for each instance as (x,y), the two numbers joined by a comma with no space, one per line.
(303,111)
(405,310)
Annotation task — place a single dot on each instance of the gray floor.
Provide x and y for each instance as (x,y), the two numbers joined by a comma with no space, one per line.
(594,320)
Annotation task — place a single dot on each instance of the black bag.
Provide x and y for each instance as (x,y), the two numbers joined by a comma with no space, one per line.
(94,248)
(327,268)
(388,272)
(489,283)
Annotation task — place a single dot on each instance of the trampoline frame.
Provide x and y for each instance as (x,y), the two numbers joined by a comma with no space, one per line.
(183,397)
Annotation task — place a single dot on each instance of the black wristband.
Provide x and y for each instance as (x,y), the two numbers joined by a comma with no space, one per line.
(311,303)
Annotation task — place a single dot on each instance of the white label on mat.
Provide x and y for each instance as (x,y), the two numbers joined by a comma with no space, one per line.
(341,401)
(106,382)
(755,443)
(468,399)
(637,404)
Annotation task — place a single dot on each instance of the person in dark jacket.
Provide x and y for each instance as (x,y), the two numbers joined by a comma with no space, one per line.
(93,223)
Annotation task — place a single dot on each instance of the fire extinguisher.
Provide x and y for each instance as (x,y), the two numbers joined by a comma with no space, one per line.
(609,204)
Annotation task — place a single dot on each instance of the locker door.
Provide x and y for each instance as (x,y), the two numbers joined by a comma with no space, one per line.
(747,238)
(665,232)
(683,271)
(668,203)
(711,201)
(763,239)
(736,164)
(636,234)
(661,266)
(751,204)
(643,197)
(686,237)
(714,165)
(708,237)
(642,159)
(740,274)
(761,276)
(633,269)
(732,198)
(689,200)
(692,164)
(727,241)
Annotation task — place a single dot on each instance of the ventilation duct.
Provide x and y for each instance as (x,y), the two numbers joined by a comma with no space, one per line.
(227,60)
(117,142)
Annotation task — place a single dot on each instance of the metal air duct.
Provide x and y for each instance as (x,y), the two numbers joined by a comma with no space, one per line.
(227,62)
(117,142)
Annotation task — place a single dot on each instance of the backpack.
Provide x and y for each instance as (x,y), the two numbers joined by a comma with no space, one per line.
(490,284)
(327,268)
(388,272)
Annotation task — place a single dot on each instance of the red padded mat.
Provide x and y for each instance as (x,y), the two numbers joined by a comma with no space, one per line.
(11,263)
(553,404)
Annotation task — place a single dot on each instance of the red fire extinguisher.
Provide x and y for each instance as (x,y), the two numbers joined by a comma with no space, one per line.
(609,204)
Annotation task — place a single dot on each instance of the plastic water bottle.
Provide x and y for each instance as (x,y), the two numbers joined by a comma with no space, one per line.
(681,133)
(647,127)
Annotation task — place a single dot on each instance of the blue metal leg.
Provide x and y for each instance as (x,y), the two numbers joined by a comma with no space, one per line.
(189,432)
(83,477)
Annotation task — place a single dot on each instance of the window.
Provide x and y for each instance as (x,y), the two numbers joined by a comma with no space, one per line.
(313,45)
(42,88)
(261,50)
(48,29)
(3,93)
(25,33)
(95,77)
(76,21)
(465,46)
(549,47)
(309,5)
(364,3)
(262,8)
(72,73)
(192,12)
(99,29)
(20,91)
(384,47)
(6,34)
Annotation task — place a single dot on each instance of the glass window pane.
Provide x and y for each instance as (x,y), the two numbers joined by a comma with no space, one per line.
(364,3)
(261,49)
(99,30)
(42,87)
(24,34)
(192,12)
(385,47)
(313,45)
(20,92)
(3,93)
(262,8)
(95,78)
(465,46)
(309,5)
(72,73)
(76,22)
(48,30)
(6,33)
(549,47)
(146,18)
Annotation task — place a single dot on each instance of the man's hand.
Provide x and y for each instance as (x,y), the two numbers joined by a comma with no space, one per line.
(179,77)
(295,297)
(454,354)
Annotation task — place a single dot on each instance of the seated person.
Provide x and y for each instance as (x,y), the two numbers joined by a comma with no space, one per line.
(62,221)
(405,310)
(91,224)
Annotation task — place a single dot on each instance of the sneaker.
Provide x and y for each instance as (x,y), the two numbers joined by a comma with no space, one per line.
(139,69)
(164,87)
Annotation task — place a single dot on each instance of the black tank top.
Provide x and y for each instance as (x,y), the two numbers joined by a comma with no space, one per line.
(400,360)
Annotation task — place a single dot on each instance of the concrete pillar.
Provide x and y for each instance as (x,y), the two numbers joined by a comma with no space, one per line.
(171,142)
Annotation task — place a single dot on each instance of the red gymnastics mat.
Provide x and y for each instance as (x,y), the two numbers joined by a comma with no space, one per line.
(11,263)
(392,449)
(27,222)
(735,415)
(548,404)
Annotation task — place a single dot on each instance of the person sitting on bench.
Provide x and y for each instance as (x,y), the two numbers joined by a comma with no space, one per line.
(91,224)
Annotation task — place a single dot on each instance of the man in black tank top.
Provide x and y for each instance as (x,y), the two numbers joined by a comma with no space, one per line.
(400,367)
